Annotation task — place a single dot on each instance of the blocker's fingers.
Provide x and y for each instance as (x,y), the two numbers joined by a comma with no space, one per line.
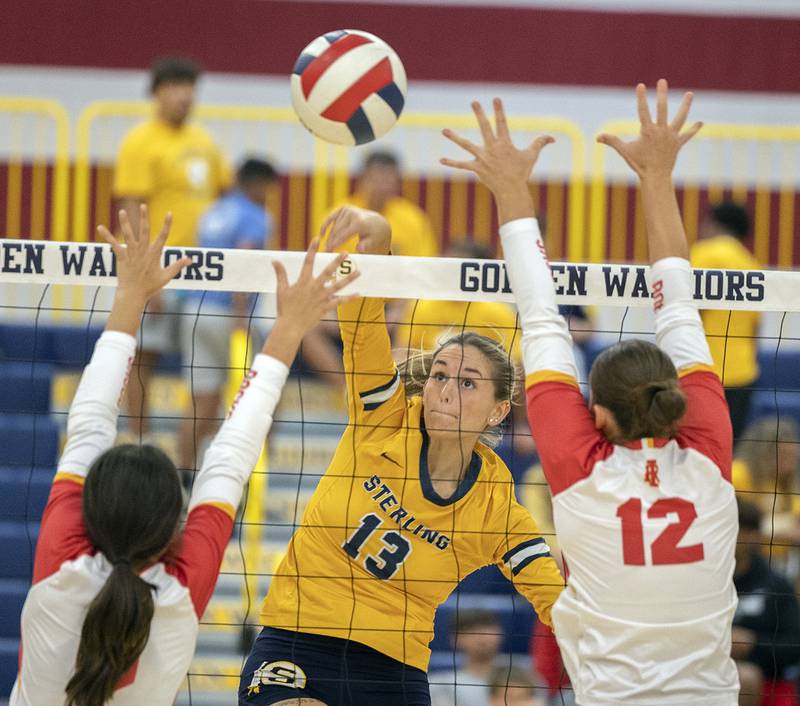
(125,225)
(612,141)
(162,236)
(456,164)
(540,143)
(641,105)
(500,119)
(483,122)
(331,267)
(662,91)
(106,235)
(280,275)
(683,112)
(173,269)
(308,260)
(335,301)
(143,235)
(688,134)
(342,283)
(462,142)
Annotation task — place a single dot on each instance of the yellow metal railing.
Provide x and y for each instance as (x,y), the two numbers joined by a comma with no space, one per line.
(31,119)
(751,154)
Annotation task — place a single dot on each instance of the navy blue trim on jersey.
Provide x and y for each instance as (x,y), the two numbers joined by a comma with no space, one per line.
(425,477)
(393,98)
(528,560)
(302,62)
(522,545)
(360,127)
(284,664)
(372,399)
(520,549)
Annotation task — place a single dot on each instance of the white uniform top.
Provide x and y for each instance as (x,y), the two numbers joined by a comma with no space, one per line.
(69,571)
(648,529)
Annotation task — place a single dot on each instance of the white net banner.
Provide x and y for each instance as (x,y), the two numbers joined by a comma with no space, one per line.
(451,279)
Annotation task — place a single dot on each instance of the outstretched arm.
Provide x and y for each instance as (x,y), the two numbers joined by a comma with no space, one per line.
(561,424)
(92,420)
(679,330)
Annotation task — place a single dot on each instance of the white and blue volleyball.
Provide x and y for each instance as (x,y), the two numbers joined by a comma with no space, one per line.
(348,87)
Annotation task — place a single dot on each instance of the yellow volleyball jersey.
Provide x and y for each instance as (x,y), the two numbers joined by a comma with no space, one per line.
(426,321)
(172,169)
(731,334)
(378,549)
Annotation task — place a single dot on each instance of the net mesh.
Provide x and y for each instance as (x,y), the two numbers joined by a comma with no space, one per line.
(51,315)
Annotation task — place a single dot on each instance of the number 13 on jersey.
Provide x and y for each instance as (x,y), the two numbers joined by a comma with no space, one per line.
(664,549)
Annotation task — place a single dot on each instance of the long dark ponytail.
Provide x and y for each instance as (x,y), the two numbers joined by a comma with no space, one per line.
(131,506)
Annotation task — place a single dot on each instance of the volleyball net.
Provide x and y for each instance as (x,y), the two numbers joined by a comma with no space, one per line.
(55,296)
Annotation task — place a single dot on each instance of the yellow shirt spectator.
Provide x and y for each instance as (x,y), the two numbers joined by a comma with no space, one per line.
(731,334)
(426,321)
(177,169)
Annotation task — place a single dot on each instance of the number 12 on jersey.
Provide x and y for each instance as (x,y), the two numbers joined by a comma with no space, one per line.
(664,549)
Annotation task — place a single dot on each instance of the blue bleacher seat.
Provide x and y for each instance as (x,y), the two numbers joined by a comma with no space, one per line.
(25,386)
(775,403)
(12,598)
(72,346)
(21,342)
(28,440)
(779,370)
(24,492)
(9,663)
(17,546)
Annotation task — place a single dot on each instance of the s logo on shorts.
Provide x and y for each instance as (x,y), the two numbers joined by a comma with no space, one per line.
(277,674)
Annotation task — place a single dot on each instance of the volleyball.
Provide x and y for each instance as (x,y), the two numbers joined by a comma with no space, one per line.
(348,87)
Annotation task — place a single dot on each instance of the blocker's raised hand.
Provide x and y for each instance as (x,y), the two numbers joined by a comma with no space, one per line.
(498,163)
(655,150)
(373,230)
(139,270)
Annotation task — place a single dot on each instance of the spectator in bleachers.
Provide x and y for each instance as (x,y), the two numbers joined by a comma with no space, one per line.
(765,472)
(170,164)
(731,334)
(766,625)
(237,220)
(424,322)
(477,636)
(512,686)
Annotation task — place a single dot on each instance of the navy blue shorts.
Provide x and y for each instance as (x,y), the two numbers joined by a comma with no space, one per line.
(289,665)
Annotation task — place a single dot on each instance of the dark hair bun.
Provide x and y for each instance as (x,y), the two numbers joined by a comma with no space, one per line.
(660,406)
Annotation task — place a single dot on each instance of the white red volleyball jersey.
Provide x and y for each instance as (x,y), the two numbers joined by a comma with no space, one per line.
(647,529)
(69,571)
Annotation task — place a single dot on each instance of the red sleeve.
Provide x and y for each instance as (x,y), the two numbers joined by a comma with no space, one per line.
(563,428)
(706,426)
(208,529)
(62,536)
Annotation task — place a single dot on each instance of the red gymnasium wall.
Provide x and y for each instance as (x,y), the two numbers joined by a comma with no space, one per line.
(446,42)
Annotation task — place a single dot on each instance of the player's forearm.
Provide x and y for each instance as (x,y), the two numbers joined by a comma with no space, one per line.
(283,341)
(546,342)
(92,421)
(234,451)
(514,202)
(665,234)
(126,312)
